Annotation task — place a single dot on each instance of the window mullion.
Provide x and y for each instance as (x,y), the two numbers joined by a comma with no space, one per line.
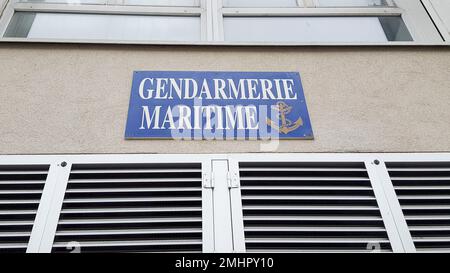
(217,17)
(207,20)
(311,3)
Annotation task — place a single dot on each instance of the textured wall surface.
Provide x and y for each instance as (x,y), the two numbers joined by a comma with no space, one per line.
(74,98)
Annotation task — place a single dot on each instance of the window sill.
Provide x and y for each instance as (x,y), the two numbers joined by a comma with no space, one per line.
(223,43)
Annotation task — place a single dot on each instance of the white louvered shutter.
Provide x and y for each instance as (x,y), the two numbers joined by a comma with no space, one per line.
(310,207)
(21,188)
(132,208)
(423,190)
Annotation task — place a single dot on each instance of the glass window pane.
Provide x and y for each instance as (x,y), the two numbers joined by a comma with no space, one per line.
(72,2)
(315,29)
(395,29)
(262,3)
(351,3)
(180,3)
(104,27)
(20,24)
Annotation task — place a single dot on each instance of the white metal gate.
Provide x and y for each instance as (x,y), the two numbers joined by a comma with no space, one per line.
(225,203)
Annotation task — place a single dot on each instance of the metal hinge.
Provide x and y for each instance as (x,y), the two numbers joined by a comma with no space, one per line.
(208,181)
(232,179)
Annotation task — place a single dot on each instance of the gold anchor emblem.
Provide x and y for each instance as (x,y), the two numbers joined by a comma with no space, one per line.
(286,125)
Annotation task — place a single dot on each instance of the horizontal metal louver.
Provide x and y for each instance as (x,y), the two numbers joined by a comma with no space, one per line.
(310,207)
(132,208)
(423,190)
(21,188)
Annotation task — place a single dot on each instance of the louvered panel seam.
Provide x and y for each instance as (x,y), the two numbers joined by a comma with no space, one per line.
(23,172)
(15,234)
(115,190)
(323,188)
(130,210)
(425,207)
(312,229)
(129,231)
(318,170)
(305,197)
(312,178)
(427,217)
(126,200)
(12,192)
(256,250)
(16,201)
(16,223)
(429,228)
(21,182)
(18,212)
(423,197)
(131,220)
(309,208)
(316,240)
(419,169)
(311,218)
(12,246)
(434,250)
(431,239)
(422,188)
(133,180)
(132,243)
(446,178)
(128,171)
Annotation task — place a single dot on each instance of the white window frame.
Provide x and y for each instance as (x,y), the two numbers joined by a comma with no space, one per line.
(112,8)
(212,13)
(419,26)
(440,25)
(221,194)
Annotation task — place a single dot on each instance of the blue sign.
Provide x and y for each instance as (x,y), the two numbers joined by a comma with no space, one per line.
(217,105)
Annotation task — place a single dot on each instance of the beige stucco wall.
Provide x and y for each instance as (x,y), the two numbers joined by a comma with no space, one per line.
(74,98)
